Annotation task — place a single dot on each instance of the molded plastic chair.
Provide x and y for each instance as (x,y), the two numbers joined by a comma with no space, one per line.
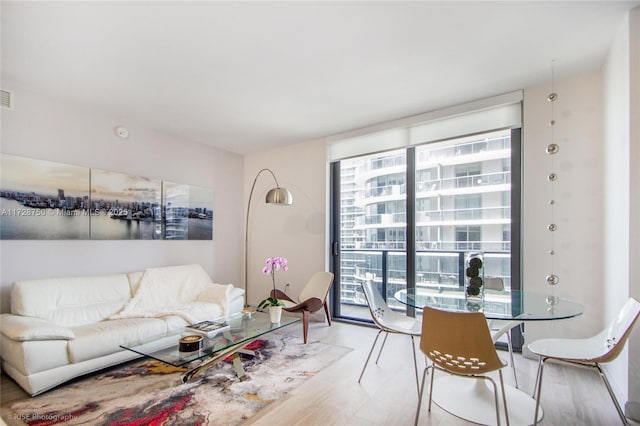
(312,298)
(590,352)
(502,327)
(460,343)
(389,321)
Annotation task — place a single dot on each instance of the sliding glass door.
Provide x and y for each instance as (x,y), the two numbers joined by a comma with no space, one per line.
(405,218)
(371,224)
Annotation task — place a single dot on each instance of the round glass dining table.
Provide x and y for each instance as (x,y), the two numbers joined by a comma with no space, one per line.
(472,399)
(499,305)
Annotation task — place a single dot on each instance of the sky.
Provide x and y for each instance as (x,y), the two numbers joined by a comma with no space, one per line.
(43,177)
(46,177)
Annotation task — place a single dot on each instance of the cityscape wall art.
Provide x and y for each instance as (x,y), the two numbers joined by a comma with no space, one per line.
(45,200)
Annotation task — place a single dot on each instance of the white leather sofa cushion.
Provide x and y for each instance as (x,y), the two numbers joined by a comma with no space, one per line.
(202,311)
(29,328)
(134,280)
(34,356)
(175,324)
(73,317)
(105,337)
(71,301)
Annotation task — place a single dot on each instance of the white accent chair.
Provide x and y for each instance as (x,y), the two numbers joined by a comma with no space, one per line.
(589,352)
(460,343)
(502,327)
(389,321)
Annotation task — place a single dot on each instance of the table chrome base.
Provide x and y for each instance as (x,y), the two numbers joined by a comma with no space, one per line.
(233,351)
(473,400)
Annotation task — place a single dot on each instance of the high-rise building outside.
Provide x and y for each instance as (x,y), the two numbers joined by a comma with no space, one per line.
(462,204)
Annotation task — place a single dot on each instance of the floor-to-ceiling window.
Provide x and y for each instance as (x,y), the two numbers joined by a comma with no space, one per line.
(372,228)
(405,218)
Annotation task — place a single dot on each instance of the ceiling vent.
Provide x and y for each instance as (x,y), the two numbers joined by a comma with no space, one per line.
(6,99)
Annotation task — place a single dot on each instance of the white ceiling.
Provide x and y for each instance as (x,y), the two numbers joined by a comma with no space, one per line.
(247,76)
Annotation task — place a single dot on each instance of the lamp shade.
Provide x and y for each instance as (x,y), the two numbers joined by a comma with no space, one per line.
(280,196)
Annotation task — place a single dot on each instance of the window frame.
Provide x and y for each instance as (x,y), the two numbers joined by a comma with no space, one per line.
(411,227)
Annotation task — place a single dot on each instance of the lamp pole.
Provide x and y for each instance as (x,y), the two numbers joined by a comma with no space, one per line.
(278,196)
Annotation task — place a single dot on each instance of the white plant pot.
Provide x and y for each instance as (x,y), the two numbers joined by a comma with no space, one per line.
(276,313)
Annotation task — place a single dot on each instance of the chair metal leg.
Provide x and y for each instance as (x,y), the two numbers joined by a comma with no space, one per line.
(538,388)
(504,398)
(612,395)
(369,356)
(415,363)
(506,330)
(495,393)
(535,385)
(386,335)
(433,374)
(420,392)
(513,365)
(537,391)
(495,398)
(382,347)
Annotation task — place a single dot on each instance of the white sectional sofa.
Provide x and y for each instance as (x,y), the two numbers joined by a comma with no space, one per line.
(61,328)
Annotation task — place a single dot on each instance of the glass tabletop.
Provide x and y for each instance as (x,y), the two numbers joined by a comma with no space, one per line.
(506,305)
(242,329)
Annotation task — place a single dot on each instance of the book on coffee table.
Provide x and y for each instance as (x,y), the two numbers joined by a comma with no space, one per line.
(208,328)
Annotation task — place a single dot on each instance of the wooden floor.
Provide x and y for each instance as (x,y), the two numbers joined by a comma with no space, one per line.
(388,395)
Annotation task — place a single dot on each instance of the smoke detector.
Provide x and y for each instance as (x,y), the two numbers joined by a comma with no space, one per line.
(121,132)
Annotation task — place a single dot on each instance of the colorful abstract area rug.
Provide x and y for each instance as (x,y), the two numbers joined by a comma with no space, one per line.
(147,392)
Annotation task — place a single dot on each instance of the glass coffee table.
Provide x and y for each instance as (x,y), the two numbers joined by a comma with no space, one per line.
(243,330)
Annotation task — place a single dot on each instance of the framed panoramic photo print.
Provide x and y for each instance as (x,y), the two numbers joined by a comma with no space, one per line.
(188,212)
(125,207)
(43,200)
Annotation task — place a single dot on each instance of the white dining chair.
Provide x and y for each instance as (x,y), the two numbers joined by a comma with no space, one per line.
(501,328)
(389,321)
(590,352)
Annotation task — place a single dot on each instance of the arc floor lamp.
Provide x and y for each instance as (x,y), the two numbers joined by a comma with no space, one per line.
(277,196)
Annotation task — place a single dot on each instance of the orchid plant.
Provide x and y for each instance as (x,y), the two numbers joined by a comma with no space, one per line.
(271,265)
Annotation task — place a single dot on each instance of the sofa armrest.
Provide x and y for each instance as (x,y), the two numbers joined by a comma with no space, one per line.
(229,297)
(215,293)
(218,294)
(236,293)
(17,327)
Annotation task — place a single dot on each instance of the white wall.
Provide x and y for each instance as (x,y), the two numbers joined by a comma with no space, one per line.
(50,130)
(578,201)
(579,193)
(616,180)
(622,187)
(633,407)
(598,199)
(296,232)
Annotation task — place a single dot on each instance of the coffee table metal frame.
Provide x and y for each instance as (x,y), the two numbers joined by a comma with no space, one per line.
(242,331)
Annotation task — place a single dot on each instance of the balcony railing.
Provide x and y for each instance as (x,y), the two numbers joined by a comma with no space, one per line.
(382,219)
(381,191)
(475,147)
(472,181)
(434,269)
(438,246)
(478,213)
